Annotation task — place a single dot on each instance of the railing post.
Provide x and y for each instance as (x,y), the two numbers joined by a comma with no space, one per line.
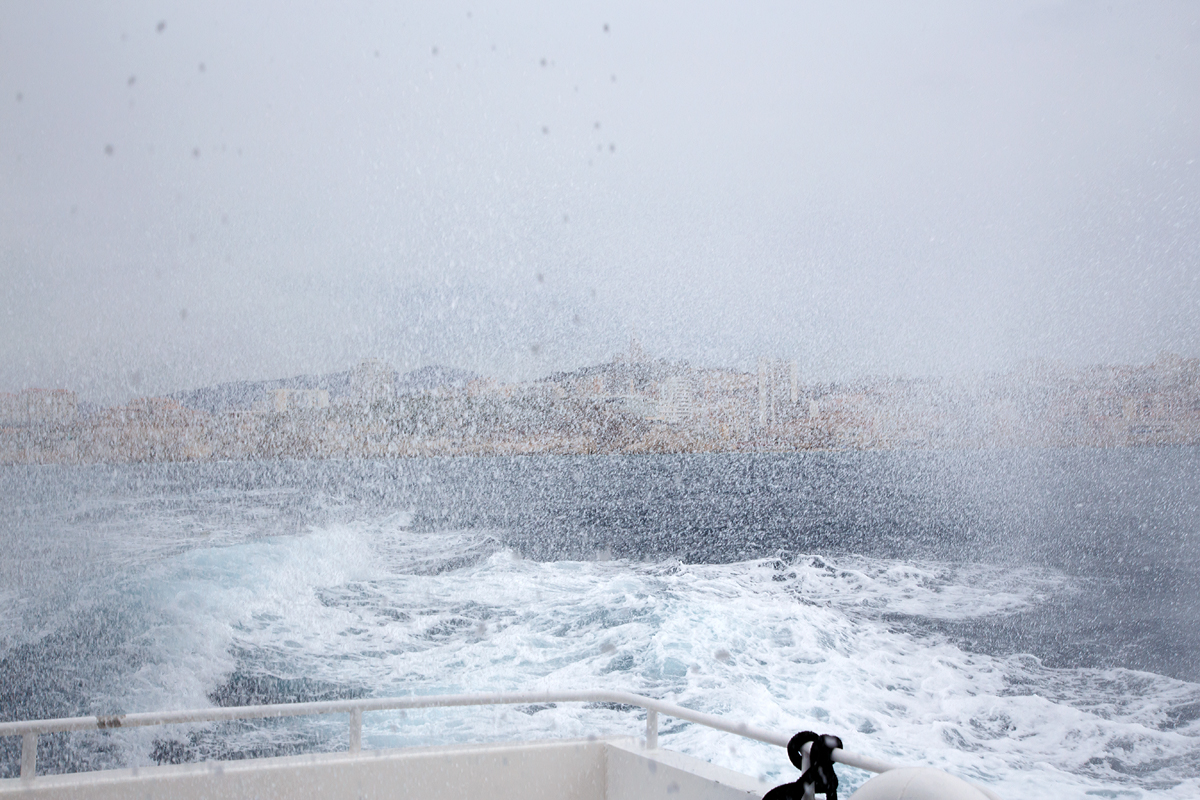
(809,792)
(651,729)
(356,730)
(28,756)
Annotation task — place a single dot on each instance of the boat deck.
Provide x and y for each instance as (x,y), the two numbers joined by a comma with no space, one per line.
(599,769)
(579,769)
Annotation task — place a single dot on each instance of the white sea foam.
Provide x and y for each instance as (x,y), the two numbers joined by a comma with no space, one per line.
(926,589)
(790,646)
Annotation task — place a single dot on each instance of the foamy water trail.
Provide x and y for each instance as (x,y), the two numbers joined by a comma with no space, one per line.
(790,644)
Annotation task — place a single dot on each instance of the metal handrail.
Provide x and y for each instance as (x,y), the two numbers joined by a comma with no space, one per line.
(31,729)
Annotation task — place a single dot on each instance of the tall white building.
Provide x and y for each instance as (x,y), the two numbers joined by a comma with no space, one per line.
(778,390)
(676,400)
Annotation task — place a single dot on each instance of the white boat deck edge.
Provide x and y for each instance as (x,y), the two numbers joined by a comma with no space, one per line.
(596,769)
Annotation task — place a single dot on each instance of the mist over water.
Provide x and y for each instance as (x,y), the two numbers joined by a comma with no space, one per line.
(1027,619)
(231,193)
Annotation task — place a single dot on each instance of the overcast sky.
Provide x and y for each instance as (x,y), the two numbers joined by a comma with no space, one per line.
(192,193)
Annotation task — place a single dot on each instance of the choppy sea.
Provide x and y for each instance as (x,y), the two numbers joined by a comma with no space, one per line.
(1028,620)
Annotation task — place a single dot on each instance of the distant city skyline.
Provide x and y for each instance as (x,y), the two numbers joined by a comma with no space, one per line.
(631,404)
(783,369)
(222,192)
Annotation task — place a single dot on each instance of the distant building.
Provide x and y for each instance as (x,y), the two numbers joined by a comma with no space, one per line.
(482,387)
(8,409)
(636,405)
(676,399)
(636,354)
(372,382)
(300,399)
(38,407)
(778,391)
(148,429)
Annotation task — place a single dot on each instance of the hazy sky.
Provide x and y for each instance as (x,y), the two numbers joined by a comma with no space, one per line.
(200,192)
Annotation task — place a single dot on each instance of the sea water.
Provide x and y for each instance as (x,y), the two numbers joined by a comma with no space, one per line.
(1029,620)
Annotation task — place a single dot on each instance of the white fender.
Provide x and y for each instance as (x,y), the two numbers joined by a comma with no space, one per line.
(920,783)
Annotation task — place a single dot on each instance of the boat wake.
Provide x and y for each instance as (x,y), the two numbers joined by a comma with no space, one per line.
(855,646)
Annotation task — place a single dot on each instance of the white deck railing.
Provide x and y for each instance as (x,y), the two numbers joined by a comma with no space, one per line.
(30,730)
